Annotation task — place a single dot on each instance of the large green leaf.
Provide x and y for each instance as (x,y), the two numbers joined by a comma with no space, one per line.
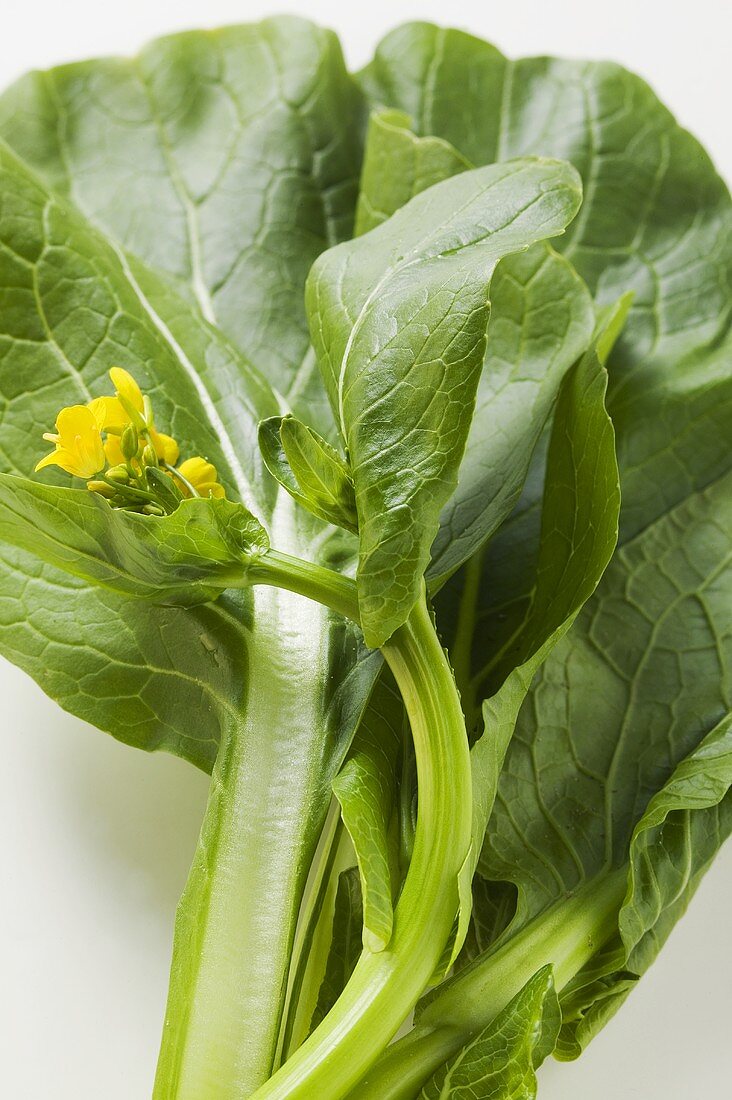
(73,306)
(655,220)
(500,1063)
(622,700)
(398,319)
(176,205)
(228,158)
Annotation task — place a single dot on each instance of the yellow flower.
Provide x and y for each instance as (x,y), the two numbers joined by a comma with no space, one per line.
(78,443)
(202,476)
(166,448)
(115,413)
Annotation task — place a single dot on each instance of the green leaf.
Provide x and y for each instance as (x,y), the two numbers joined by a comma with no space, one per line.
(579,527)
(73,306)
(399,165)
(622,700)
(158,677)
(311,471)
(655,220)
(346,945)
(227,158)
(398,319)
(163,220)
(187,557)
(500,1063)
(541,322)
(366,790)
(671,847)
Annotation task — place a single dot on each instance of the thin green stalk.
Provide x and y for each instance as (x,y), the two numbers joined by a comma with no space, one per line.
(385,985)
(308,579)
(567,936)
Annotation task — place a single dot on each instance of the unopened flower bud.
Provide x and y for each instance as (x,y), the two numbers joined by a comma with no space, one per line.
(118,473)
(149,457)
(130,442)
(101,487)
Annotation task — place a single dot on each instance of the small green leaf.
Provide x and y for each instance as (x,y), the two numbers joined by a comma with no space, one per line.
(501,1063)
(311,471)
(399,165)
(187,557)
(366,790)
(398,319)
(345,947)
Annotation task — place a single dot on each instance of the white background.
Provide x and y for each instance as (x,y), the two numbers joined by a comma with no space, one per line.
(96,838)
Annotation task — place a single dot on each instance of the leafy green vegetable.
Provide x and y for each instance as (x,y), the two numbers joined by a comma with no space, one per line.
(398,319)
(187,216)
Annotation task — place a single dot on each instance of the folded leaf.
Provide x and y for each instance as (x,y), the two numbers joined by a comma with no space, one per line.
(579,525)
(500,1063)
(398,320)
(188,556)
(311,471)
(345,945)
(671,847)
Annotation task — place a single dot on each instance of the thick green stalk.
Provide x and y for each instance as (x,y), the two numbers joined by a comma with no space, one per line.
(268,801)
(567,936)
(385,985)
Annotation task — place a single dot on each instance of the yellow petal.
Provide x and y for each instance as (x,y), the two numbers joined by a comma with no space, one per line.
(197,470)
(202,476)
(113,451)
(126,387)
(166,447)
(109,414)
(75,420)
(48,460)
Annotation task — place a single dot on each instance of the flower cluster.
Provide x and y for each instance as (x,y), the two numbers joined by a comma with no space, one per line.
(114,445)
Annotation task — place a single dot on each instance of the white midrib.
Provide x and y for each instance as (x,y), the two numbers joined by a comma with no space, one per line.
(354,332)
(243,484)
(273,792)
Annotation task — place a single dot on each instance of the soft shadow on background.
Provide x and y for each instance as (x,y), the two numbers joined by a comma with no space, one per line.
(98,840)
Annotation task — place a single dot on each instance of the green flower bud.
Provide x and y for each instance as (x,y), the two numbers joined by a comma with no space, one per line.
(130,442)
(102,488)
(118,473)
(149,457)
